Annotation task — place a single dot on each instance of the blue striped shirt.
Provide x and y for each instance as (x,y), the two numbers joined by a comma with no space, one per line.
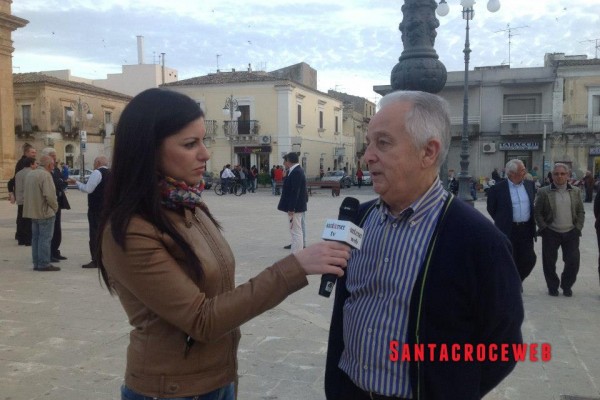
(380,281)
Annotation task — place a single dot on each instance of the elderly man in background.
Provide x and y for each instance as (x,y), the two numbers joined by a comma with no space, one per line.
(559,215)
(40,205)
(63,204)
(28,152)
(23,224)
(510,204)
(94,187)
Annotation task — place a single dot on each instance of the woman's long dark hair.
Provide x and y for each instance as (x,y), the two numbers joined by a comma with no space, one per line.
(146,121)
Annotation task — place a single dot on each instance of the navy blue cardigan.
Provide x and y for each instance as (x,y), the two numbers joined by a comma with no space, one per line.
(470,293)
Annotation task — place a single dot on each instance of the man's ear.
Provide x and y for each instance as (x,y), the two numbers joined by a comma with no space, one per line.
(431,152)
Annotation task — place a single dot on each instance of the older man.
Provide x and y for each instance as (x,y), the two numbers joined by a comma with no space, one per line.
(94,187)
(40,205)
(63,204)
(432,273)
(559,216)
(510,204)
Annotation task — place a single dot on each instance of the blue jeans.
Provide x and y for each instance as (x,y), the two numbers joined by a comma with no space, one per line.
(224,393)
(42,231)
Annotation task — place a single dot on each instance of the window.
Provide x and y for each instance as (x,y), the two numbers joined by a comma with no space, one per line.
(337,119)
(26,115)
(68,120)
(320,119)
(107,117)
(299,114)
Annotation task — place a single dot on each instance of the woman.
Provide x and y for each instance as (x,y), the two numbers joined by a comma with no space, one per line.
(163,254)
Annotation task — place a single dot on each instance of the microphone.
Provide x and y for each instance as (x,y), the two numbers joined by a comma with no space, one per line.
(341,230)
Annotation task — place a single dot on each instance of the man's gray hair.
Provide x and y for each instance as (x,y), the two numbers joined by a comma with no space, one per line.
(513,165)
(48,150)
(428,119)
(45,160)
(561,165)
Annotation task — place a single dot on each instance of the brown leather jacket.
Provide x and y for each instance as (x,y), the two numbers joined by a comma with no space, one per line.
(164,305)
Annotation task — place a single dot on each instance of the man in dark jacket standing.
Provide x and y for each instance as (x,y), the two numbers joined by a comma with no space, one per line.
(94,187)
(294,198)
(432,274)
(510,204)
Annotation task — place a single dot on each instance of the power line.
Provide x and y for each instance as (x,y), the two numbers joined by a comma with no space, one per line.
(510,30)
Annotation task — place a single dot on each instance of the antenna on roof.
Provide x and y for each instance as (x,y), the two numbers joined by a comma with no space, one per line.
(596,44)
(510,35)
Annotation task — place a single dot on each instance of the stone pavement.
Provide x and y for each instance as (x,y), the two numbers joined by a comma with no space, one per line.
(63,337)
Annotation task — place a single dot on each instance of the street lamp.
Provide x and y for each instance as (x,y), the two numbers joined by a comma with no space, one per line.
(81,107)
(232,111)
(468,12)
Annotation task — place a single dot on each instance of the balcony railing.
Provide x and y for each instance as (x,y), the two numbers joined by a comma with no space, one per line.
(241,127)
(211,127)
(474,123)
(576,123)
(525,124)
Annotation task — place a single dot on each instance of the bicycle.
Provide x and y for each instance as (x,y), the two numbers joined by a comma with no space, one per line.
(235,187)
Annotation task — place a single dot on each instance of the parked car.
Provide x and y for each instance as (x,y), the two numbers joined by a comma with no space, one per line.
(208,180)
(366,178)
(74,174)
(338,176)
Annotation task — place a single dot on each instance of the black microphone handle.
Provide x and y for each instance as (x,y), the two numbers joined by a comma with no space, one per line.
(327,284)
(348,212)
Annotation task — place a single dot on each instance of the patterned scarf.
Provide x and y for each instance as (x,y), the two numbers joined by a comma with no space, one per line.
(176,194)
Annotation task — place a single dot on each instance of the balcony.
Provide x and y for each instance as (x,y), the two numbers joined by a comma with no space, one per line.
(27,130)
(241,128)
(580,123)
(211,127)
(525,124)
(456,124)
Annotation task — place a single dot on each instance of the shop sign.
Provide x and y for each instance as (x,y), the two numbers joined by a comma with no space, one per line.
(594,151)
(519,146)
(252,149)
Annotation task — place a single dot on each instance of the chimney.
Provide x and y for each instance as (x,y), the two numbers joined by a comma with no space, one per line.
(140,49)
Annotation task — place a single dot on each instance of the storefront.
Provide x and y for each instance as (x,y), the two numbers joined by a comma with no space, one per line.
(247,156)
(520,150)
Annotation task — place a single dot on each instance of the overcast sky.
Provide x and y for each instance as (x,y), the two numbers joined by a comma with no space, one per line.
(353,44)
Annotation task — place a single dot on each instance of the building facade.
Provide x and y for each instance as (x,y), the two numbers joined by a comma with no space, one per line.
(540,115)
(42,118)
(357,115)
(255,117)
(8,24)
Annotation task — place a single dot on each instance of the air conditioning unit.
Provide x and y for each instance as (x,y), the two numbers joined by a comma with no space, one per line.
(489,147)
(265,139)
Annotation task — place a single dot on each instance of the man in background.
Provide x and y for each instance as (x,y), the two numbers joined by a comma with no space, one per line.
(28,152)
(40,205)
(94,187)
(294,199)
(510,204)
(559,215)
(23,224)
(63,204)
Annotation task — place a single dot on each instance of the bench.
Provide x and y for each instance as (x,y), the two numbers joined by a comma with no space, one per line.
(315,185)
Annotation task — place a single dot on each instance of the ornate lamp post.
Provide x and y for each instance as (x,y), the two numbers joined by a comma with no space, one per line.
(81,107)
(418,67)
(468,12)
(232,111)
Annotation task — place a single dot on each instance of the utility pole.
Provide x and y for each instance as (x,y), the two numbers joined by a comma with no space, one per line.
(510,30)
(218,55)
